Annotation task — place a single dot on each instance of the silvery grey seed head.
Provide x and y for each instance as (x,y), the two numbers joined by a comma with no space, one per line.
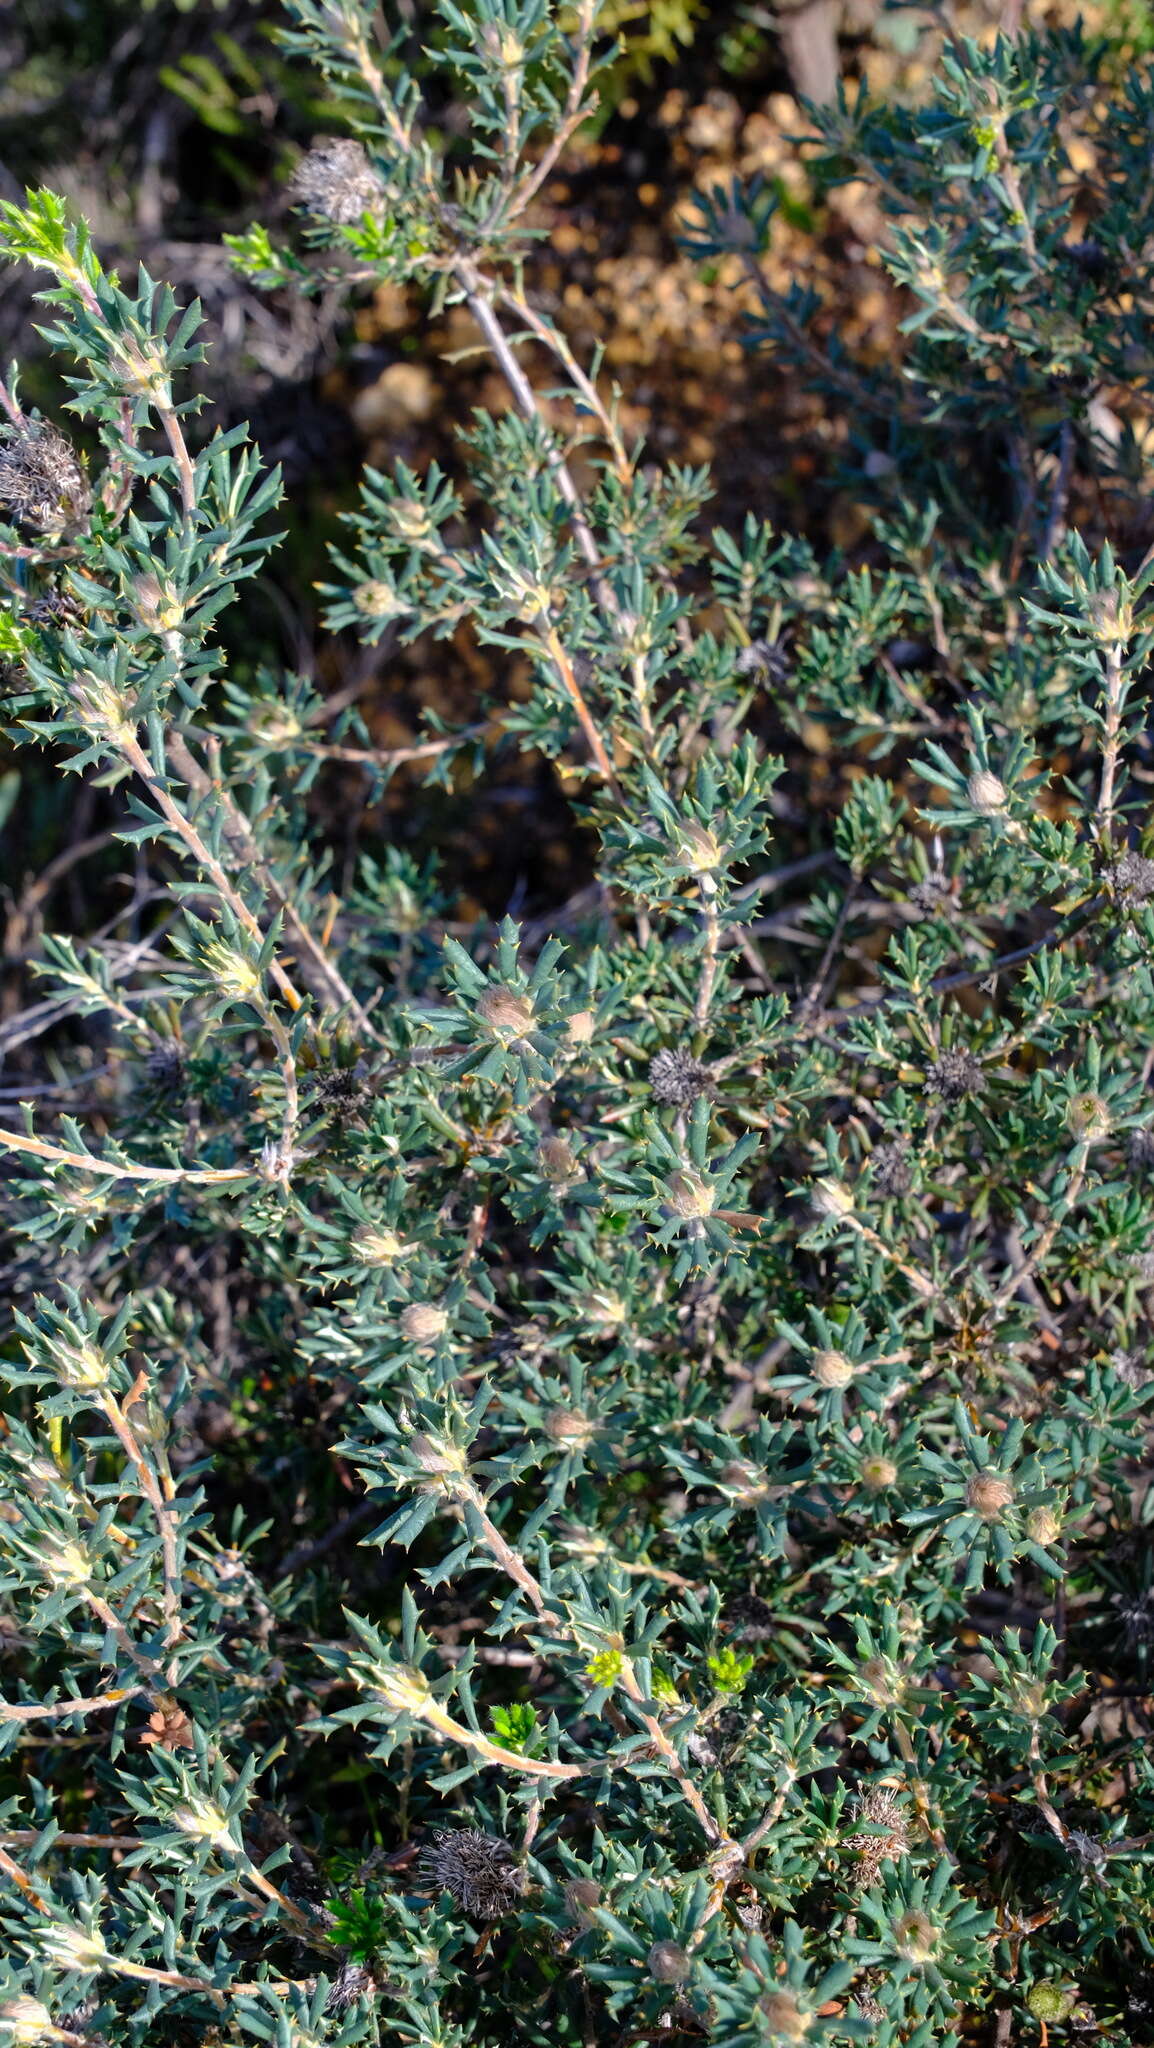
(42,483)
(336,181)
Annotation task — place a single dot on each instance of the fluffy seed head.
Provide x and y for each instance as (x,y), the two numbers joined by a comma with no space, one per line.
(557,1160)
(989,1495)
(985,793)
(581,1896)
(581,1027)
(479,1871)
(916,1936)
(423,1322)
(336,181)
(507,1013)
(41,481)
(668,1963)
(689,1194)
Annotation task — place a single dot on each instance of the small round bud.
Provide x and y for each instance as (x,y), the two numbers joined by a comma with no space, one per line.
(748,1482)
(205,1822)
(986,793)
(410,521)
(831,1199)
(1043,1526)
(689,1194)
(783,2016)
(508,1014)
(668,1963)
(605,1310)
(568,1426)
(831,1368)
(1051,2001)
(882,1681)
(423,1322)
(916,1936)
(697,849)
(435,1454)
(1088,1116)
(581,1896)
(988,1494)
(878,1473)
(557,1161)
(377,600)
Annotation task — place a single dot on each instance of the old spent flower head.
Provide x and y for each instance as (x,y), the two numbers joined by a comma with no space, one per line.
(478,1870)
(336,181)
(42,481)
(677,1078)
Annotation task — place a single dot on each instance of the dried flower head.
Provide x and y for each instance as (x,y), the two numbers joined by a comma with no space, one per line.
(933,895)
(892,1172)
(336,181)
(1140,1150)
(750,1618)
(1132,878)
(676,1078)
(479,1871)
(343,1093)
(165,1068)
(953,1075)
(42,482)
(353,1981)
(886,1835)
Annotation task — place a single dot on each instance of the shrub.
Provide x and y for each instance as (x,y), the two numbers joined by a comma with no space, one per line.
(735,1315)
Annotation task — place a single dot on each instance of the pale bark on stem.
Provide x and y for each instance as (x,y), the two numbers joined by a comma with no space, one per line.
(515,1568)
(1115,681)
(576,110)
(59,1710)
(163,1509)
(708,975)
(239,838)
(109,1169)
(551,641)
